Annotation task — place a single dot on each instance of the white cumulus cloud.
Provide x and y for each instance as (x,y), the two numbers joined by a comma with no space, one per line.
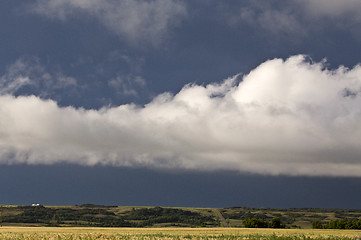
(134,20)
(292,117)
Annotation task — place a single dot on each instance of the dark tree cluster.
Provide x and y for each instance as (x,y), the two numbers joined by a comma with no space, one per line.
(261,223)
(151,216)
(338,224)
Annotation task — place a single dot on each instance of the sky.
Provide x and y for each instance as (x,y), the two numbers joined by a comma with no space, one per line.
(181,103)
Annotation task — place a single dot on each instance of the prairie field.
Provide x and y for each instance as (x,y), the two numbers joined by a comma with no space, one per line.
(172,233)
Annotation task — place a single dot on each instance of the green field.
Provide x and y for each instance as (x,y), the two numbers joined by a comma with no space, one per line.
(172,233)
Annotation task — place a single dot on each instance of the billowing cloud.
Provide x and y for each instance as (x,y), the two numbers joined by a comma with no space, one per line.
(292,117)
(134,20)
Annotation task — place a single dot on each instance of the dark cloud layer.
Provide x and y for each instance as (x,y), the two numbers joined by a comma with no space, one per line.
(73,184)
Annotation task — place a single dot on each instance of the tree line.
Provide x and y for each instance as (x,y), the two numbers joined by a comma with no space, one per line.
(261,223)
(338,224)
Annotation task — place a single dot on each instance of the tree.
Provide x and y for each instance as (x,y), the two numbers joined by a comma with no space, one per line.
(276,223)
(317,225)
(255,223)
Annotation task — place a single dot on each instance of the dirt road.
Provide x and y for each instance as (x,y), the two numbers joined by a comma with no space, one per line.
(223,221)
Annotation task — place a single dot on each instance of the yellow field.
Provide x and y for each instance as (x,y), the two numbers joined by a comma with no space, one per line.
(172,233)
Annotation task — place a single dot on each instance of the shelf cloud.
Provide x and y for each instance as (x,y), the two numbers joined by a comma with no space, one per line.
(285,117)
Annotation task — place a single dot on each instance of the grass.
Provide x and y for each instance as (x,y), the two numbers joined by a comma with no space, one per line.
(173,233)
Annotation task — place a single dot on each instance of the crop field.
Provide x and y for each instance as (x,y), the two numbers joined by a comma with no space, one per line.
(172,233)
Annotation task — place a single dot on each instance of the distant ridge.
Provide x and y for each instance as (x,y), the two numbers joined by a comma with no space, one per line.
(93,215)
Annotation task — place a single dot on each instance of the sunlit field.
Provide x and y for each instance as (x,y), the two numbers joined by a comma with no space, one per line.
(172,233)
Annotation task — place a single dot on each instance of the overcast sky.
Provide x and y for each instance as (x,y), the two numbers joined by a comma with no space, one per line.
(239,91)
